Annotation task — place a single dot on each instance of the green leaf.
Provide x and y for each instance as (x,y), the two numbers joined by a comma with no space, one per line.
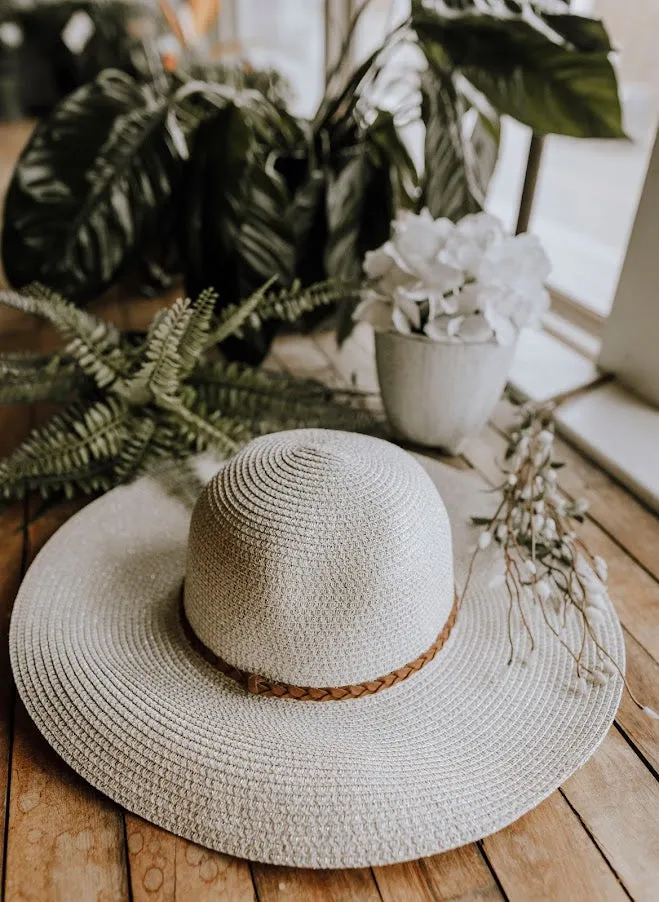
(386,138)
(451,185)
(234,232)
(27,378)
(75,446)
(359,212)
(92,343)
(484,134)
(160,374)
(91,185)
(547,84)
(582,32)
(234,317)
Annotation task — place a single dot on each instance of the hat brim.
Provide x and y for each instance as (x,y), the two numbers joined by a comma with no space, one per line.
(460,750)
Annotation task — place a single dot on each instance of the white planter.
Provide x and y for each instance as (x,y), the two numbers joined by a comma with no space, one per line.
(439,393)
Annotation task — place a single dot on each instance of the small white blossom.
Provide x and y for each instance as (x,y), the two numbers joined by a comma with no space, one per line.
(580,507)
(537,522)
(512,479)
(502,532)
(484,539)
(543,589)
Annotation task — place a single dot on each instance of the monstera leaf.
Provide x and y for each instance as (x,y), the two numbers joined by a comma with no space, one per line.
(91,185)
(550,72)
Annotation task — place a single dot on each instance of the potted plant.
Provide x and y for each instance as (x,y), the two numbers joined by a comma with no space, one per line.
(203,171)
(447,302)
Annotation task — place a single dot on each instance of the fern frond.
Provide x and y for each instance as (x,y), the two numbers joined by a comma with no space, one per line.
(291,304)
(92,342)
(76,445)
(268,401)
(142,400)
(27,378)
(135,451)
(160,374)
(234,317)
(70,321)
(194,339)
(234,386)
(200,433)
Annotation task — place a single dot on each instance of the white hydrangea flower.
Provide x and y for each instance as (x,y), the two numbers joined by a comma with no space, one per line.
(468,282)
(471,239)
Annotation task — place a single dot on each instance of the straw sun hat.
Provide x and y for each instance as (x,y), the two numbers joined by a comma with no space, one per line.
(175,659)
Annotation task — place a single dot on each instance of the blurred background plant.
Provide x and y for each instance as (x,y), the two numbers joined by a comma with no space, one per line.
(201,169)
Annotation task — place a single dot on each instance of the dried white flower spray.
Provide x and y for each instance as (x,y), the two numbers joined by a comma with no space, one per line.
(544,561)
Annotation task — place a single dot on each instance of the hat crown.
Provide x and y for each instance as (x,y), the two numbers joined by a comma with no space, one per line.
(319,558)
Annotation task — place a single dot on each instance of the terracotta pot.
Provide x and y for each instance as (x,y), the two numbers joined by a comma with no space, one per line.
(439,393)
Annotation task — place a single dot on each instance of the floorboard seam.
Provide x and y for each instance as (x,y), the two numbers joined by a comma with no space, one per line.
(595,842)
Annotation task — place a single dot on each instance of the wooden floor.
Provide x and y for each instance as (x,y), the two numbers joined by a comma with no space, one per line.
(597,838)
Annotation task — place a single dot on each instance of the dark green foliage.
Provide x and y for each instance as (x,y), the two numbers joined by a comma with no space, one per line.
(133,402)
(209,174)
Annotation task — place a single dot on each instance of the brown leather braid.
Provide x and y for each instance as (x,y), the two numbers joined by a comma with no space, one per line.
(256,684)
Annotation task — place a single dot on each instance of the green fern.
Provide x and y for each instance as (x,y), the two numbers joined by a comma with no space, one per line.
(26,377)
(133,404)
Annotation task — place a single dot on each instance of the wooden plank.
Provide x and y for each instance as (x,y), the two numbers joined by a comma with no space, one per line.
(548,854)
(404,882)
(280,884)
(350,361)
(461,875)
(641,730)
(14,425)
(64,841)
(618,800)
(166,868)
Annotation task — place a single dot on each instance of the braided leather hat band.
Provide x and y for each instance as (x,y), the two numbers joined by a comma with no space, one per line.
(256,684)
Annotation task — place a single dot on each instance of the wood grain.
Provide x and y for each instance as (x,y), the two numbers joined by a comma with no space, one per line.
(14,425)
(278,884)
(548,854)
(65,842)
(166,868)
(618,800)
(461,875)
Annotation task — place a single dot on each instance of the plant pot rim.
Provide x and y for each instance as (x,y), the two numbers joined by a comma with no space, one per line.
(447,342)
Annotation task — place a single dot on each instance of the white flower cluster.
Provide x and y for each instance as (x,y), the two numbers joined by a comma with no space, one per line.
(468,282)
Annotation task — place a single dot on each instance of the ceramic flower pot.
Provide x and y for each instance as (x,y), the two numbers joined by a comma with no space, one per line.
(438,393)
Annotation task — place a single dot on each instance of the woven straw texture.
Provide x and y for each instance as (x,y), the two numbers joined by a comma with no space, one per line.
(319,563)
(459,750)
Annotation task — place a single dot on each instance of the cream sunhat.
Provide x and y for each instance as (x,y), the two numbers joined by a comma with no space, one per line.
(315,559)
